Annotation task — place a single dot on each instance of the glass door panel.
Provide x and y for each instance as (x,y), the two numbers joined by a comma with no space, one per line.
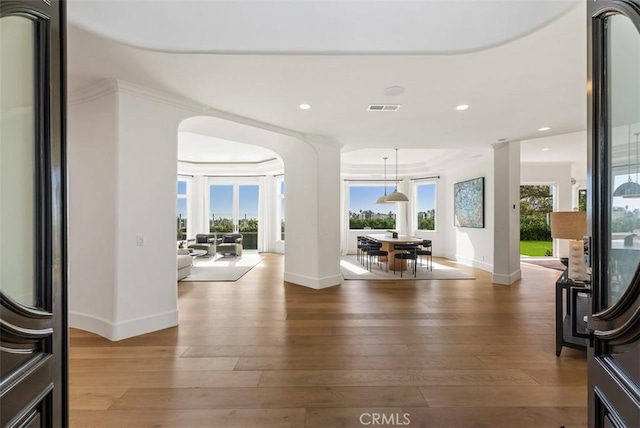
(18,160)
(623,67)
(221,208)
(248,198)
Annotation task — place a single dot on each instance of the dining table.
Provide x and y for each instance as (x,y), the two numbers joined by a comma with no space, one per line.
(388,244)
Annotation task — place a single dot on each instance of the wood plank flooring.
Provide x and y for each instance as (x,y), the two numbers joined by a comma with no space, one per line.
(263,353)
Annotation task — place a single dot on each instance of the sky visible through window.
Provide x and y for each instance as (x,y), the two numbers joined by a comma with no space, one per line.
(364,198)
(221,201)
(425,197)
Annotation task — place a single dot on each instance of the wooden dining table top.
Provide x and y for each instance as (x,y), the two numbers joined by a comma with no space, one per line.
(401,239)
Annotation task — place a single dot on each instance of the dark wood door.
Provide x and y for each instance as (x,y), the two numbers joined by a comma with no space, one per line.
(33,329)
(614,163)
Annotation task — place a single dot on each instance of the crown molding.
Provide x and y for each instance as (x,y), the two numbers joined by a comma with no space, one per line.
(92,92)
(109,86)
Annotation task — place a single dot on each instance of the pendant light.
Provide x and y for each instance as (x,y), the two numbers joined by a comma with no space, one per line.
(396,196)
(629,189)
(383,199)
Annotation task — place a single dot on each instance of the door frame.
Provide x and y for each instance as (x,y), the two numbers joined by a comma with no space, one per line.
(614,326)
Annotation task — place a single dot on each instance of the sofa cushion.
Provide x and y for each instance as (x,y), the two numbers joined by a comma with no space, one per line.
(229,239)
(202,239)
(184,261)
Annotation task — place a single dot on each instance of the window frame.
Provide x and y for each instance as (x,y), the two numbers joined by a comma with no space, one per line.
(428,182)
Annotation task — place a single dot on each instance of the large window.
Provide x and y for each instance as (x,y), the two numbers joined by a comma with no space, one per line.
(365,213)
(234,208)
(426,205)
(181,214)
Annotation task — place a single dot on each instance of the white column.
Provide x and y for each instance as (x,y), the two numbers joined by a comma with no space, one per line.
(506,242)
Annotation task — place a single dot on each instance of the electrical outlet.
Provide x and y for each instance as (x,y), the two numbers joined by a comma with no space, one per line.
(140,240)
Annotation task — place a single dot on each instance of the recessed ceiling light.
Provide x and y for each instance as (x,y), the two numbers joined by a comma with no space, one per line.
(544,128)
(305,106)
(394,90)
(502,140)
(462,107)
(546,149)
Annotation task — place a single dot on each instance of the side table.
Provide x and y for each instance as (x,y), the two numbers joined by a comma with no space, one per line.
(568,315)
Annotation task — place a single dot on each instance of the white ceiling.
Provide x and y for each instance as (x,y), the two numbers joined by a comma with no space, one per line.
(532,75)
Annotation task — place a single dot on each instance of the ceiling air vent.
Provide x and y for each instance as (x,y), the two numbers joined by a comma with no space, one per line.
(383,107)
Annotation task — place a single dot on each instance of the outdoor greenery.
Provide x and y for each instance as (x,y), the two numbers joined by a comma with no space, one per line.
(628,223)
(373,223)
(362,219)
(426,224)
(536,202)
(582,200)
(225,225)
(536,248)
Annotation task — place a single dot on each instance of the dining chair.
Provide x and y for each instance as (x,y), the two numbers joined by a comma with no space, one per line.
(406,252)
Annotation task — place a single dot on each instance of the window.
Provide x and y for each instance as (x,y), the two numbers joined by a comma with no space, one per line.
(280,205)
(234,208)
(365,213)
(426,206)
(181,214)
(221,208)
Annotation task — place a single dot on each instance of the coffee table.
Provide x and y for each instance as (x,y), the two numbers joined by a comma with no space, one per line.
(197,253)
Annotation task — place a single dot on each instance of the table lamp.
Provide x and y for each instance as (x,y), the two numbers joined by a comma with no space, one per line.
(572,225)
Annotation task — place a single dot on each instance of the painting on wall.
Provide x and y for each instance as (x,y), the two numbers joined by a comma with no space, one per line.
(468,203)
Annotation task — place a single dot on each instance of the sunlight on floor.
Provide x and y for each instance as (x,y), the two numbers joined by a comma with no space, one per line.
(357,270)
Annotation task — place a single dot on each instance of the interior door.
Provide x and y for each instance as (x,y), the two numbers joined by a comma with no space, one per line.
(614,131)
(33,337)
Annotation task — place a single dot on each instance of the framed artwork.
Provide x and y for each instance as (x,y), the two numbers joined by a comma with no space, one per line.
(468,203)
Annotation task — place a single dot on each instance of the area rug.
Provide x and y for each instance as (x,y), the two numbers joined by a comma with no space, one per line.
(352,269)
(548,263)
(209,269)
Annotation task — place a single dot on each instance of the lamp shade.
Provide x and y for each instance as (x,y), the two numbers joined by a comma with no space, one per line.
(397,197)
(568,224)
(630,189)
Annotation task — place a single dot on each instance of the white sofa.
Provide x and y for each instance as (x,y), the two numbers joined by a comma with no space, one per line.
(184,263)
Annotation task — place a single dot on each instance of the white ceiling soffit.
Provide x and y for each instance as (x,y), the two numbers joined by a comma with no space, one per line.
(316,26)
(196,148)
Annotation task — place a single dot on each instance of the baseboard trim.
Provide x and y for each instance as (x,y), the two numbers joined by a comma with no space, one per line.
(503,279)
(125,329)
(315,283)
(473,263)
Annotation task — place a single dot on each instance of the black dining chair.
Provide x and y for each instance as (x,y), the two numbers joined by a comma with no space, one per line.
(426,250)
(376,252)
(365,247)
(406,252)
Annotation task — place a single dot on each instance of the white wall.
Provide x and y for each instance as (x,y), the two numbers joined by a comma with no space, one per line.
(91,157)
(506,213)
(470,246)
(122,169)
(146,294)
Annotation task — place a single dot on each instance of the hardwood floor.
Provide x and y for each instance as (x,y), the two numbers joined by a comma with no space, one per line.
(263,353)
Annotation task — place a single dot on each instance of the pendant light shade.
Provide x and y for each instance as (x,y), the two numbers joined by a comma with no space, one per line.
(396,196)
(383,199)
(630,189)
